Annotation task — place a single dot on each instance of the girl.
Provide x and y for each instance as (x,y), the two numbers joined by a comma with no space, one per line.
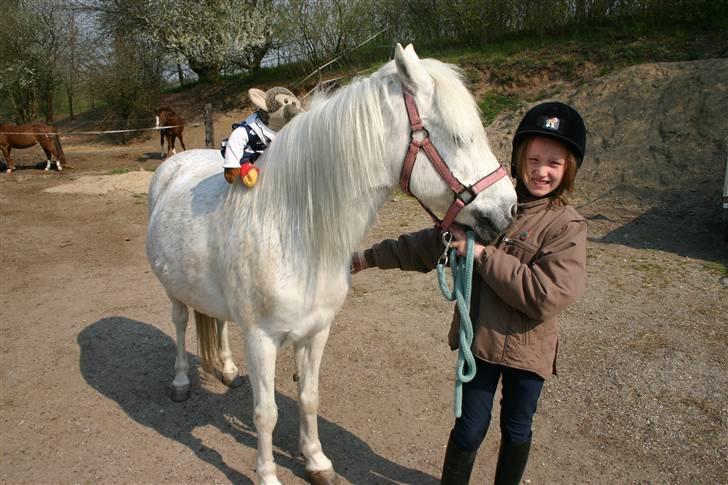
(520,285)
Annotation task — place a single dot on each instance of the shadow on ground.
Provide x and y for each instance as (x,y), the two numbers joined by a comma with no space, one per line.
(685,222)
(132,363)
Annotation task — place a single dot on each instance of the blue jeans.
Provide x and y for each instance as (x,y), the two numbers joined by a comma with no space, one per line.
(521,390)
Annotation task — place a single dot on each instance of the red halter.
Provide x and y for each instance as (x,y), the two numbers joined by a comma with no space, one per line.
(464,195)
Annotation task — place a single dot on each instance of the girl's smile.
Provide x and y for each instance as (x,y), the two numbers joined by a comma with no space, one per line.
(545,165)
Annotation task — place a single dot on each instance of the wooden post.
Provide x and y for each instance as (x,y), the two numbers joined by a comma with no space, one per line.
(209,132)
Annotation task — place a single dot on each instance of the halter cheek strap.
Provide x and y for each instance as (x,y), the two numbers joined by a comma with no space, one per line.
(464,195)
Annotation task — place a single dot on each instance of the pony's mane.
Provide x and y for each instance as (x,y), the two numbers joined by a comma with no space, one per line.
(334,153)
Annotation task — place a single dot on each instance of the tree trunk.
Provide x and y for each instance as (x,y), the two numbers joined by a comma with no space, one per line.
(206,73)
(69,93)
(180,74)
(49,108)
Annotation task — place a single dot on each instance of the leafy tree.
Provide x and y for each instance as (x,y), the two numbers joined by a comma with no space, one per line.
(210,34)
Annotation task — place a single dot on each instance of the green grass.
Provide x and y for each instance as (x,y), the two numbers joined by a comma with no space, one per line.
(118,171)
(491,104)
(716,267)
(140,199)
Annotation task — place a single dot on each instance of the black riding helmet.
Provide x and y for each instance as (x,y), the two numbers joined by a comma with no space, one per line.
(555,120)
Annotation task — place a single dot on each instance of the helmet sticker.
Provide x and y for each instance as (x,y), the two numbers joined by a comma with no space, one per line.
(550,122)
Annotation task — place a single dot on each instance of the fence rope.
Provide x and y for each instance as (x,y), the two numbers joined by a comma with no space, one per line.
(106,132)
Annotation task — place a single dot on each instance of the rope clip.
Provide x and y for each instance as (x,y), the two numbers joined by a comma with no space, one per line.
(447,242)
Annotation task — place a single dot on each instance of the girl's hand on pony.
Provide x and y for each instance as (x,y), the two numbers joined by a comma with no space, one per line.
(358,262)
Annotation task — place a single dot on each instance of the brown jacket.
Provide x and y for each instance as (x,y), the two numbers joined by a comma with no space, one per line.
(531,275)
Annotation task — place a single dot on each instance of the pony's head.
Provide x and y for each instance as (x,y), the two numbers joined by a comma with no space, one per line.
(451,119)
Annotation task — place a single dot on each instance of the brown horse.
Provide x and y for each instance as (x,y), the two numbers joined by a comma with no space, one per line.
(167,117)
(25,136)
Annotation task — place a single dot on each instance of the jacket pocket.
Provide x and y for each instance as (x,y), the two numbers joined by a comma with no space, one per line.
(523,250)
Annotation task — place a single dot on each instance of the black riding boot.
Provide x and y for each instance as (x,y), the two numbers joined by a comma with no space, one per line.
(512,459)
(458,465)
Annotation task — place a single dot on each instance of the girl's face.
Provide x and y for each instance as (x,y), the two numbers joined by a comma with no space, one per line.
(545,165)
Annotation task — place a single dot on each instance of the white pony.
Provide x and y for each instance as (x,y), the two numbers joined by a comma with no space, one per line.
(275,258)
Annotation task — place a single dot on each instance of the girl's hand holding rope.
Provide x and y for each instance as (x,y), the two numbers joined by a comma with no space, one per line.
(460,243)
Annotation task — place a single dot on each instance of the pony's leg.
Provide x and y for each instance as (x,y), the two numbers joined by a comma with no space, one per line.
(181,142)
(161,143)
(229,371)
(171,139)
(48,154)
(307,354)
(58,152)
(181,382)
(260,353)
(6,156)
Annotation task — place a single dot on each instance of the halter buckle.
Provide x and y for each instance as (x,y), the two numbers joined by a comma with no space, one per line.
(467,195)
(419,134)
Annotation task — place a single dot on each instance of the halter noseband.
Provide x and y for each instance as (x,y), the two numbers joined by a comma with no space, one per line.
(464,195)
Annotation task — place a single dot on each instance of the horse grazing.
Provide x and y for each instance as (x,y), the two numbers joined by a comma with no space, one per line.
(167,117)
(275,258)
(25,136)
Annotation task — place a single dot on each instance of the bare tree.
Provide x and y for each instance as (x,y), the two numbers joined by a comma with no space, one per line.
(33,47)
(318,30)
(18,64)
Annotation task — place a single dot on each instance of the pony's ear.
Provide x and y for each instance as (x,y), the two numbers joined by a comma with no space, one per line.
(410,70)
(258,98)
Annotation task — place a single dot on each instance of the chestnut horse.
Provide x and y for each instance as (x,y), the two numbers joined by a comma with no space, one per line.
(25,136)
(167,117)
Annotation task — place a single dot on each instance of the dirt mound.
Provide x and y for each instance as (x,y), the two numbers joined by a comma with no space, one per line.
(651,126)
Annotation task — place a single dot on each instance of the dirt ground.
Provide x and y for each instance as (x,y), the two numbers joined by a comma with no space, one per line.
(87,343)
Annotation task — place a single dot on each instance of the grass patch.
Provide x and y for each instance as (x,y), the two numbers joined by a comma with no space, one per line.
(140,198)
(651,268)
(118,171)
(716,267)
(653,274)
(493,103)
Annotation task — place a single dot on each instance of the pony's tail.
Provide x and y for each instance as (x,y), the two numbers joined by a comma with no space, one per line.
(208,341)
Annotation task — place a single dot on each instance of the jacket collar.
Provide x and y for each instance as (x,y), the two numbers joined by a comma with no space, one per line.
(531,205)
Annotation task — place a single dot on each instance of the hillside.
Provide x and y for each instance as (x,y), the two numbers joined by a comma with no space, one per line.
(653,104)
(654,107)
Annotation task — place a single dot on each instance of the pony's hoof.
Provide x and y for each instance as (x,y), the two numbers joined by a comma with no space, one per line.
(232,380)
(7,170)
(181,394)
(323,477)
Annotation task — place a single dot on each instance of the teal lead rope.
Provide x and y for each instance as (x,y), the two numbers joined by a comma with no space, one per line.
(462,276)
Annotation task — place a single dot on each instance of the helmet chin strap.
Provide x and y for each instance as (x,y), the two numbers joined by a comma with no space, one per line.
(463,195)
